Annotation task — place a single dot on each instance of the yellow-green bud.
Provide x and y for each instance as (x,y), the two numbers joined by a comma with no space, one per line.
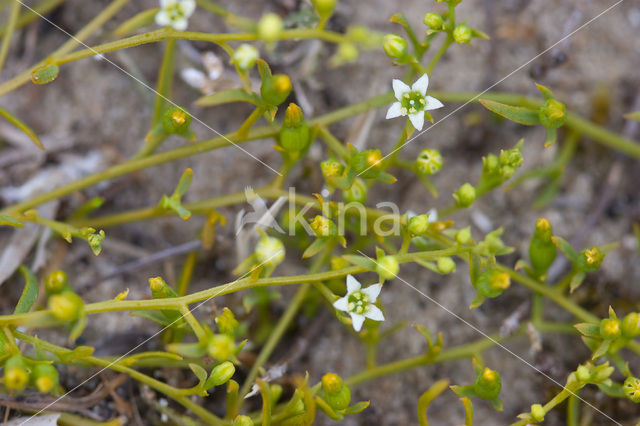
(465,195)
(227,322)
(160,289)
(347,52)
(221,347)
(387,267)
(463,236)
(487,384)
(275,89)
(542,250)
(337,395)
(610,328)
(55,282)
(270,251)
(368,163)
(418,225)
(357,193)
(16,375)
(66,306)
(176,120)
(590,260)
(429,162)
(552,114)
(269,28)
(221,374)
(492,283)
(324,8)
(394,46)
(331,168)
(245,56)
(45,377)
(537,412)
(462,34)
(446,265)
(583,374)
(242,420)
(434,21)
(631,325)
(631,388)
(295,134)
(323,227)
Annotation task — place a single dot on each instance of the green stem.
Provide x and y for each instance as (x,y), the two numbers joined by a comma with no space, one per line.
(11,26)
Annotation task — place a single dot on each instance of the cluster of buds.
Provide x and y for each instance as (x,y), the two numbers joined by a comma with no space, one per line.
(335,397)
(497,169)
(63,303)
(611,333)
(20,372)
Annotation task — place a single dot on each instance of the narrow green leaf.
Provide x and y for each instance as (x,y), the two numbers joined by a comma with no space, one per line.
(588,329)
(566,248)
(22,126)
(601,349)
(546,92)
(576,280)
(200,373)
(154,316)
(468,411)
(30,292)
(315,248)
(78,353)
(526,116)
(357,408)
(9,221)
(144,18)
(365,262)
(228,96)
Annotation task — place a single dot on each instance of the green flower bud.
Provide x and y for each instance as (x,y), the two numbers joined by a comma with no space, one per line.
(295,134)
(16,374)
(221,347)
(357,193)
(331,168)
(269,28)
(537,412)
(323,227)
(245,56)
(602,372)
(347,52)
(590,260)
(176,120)
(487,384)
(337,395)
(227,322)
(583,374)
(552,114)
(45,377)
(492,283)
(434,21)
(610,328)
(462,34)
(324,8)
(269,251)
(542,250)
(446,265)
(160,289)
(387,267)
(490,164)
(429,162)
(66,306)
(631,325)
(418,225)
(45,74)
(511,157)
(367,163)
(55,282)
(631,388)
(463,236)
(95,242)
(394,46)
(465,196)
(242,420)
(221,374)
(275,89)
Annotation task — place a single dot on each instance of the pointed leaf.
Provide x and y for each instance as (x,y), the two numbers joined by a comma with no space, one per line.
(155,316)
(576,280)
(146,17)
(497,404)
(551,137)
(546,92)
(468,411)
(228,96)
(200,373)
(315,248)
(22,126)
(9,221)
(602,349)
(466,391)
(363,261)
(30,292)
(526,116)
(357,408)
(588,329)
(566,248)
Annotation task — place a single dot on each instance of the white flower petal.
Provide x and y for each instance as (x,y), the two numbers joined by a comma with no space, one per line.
(188,6)
(410,214)
(399,88)
(432,216)
(341,304)
(417,119)
(395,110)
(163,19)
(432,103)
(180,24)
(372,291)
(374,313)
(357,321)
(167,3)
(352,284)
(421,84)
(193,77)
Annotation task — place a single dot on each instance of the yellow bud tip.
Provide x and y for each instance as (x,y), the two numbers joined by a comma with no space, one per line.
(44,384)
(488,375)
(178,117)
(543,224)
(502,281)
(374,159)
(592,255)
(156,283)
(332,383)
(283,83)
(612,328)
(16,378)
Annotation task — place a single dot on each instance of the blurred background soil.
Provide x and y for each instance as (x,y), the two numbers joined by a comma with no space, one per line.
(94,109)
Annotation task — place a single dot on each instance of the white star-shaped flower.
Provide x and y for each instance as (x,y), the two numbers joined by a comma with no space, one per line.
(175,13)
(359,302)
(412,101)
